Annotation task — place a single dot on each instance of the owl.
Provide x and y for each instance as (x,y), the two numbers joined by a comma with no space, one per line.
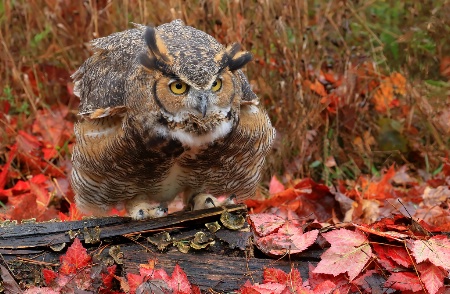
(163,111)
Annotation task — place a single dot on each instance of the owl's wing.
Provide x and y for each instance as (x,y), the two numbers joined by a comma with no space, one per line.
(102,79)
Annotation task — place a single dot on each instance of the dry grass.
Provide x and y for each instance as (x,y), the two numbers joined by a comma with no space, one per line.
(43,41)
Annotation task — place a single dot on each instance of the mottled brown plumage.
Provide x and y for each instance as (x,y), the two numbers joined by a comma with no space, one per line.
(165,110)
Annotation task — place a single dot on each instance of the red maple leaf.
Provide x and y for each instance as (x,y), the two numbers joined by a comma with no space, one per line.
(404,281)
(325,287)
(349,252)
(179,281)
(292,281)
(432,276)
(383,259)
(275,186)
(107,278)
(74,272)
(399,255)
(153,273)
(265,223)
(266,288)
(275,201)
(436,250)
(290,241)
(53,129)
(5,168)
(133,282)
(196,290)
(318,281)
(49,276)
(76,258)
(274,275)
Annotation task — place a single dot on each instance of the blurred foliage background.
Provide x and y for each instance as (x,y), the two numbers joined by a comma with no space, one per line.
(318,68)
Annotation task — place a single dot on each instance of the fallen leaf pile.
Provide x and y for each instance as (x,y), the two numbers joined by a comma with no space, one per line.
(41,165)
(391,254)
(78,271)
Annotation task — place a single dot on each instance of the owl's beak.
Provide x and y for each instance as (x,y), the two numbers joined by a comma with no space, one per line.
(202,104)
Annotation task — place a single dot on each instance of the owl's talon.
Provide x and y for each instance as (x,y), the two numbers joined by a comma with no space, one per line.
(209,201)
(145,210)
(141,214)
(203,201)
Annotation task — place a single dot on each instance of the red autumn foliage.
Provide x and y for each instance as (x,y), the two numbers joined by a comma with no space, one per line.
(352,245)
(75,273)
(76,258)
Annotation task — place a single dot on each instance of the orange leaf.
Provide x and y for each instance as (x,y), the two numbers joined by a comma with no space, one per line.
(383,96)
(74,214)
(318,88)
(378,190)
(445,67)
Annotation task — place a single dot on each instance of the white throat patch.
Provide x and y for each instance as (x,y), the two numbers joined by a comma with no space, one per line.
(194,140)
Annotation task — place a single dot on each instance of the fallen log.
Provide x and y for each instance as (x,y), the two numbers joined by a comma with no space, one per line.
(217,257)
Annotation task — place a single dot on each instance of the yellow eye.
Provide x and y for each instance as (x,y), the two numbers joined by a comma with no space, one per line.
(217,85)
(178,87)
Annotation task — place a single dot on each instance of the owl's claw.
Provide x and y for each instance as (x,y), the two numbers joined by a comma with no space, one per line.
(148,210)
(204,200)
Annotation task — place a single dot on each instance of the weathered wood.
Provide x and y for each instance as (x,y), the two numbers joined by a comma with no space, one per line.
(209,271)
(53,233)
(224,265)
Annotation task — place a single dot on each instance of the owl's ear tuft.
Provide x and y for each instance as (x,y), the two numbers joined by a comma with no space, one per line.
(148,62)
(159,58)
(155,44)
(236,59)
(239,60)
(233,49)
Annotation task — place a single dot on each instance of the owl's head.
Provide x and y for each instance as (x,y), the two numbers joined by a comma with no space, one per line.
(197,82)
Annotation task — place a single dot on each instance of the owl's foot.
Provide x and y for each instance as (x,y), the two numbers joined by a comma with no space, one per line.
(204,200)
(146,210)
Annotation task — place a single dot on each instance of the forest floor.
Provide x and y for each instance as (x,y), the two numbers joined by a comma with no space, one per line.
(358,93)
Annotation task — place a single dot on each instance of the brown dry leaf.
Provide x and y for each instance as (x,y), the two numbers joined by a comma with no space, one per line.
(435,216)
(442,120)
(402,177)
(330,162)
(358,142)
(371,211)
(434,197)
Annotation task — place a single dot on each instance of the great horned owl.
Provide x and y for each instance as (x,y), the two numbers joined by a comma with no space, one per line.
(165,110)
